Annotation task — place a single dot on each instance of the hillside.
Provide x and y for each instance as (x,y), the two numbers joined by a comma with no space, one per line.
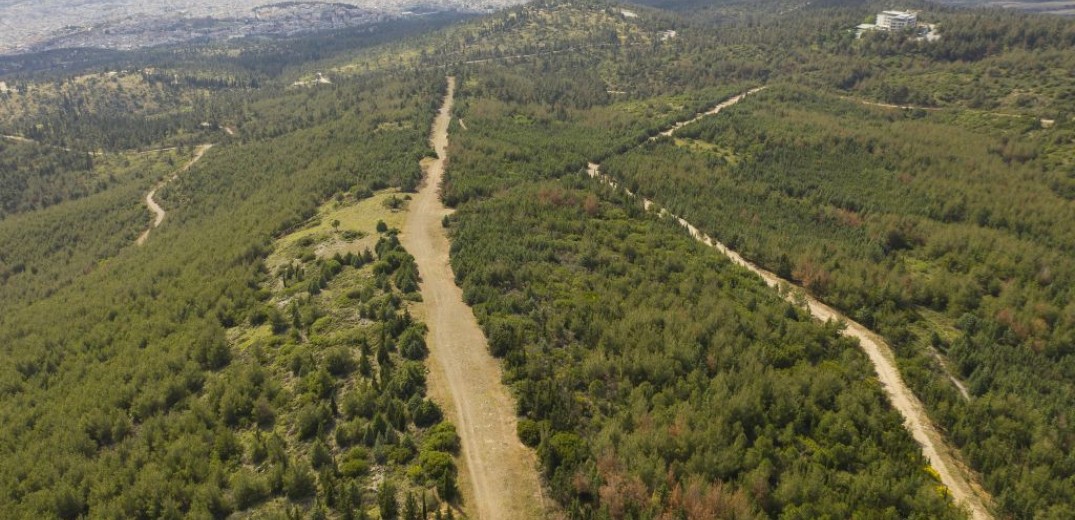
(276,346)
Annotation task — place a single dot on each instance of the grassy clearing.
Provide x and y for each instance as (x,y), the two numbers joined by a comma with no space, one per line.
(357,230)
(695,145)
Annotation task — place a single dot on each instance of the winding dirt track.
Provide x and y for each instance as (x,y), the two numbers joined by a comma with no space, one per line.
(158,211)
(464,377)
(944,459)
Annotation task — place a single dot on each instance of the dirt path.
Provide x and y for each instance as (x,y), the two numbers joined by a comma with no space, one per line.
(712,111)
(152,204)
(942,458)
(464,377)
(890,105)
(953,474)
(18,138)
(21,139)
(947,368)
(934,109)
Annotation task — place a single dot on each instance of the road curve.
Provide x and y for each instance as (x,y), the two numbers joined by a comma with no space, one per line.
(158,211)
(943,458)
(464,377)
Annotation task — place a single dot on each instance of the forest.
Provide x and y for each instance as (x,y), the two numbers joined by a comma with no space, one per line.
(258,356)
(186,378)
(657,380)
(944,227)
(870,210)
(35,178)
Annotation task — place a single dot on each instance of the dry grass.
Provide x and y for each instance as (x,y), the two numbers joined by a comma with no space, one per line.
(357,216)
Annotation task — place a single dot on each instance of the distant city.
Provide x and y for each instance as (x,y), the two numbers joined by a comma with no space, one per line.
(1057,7)
(129,24)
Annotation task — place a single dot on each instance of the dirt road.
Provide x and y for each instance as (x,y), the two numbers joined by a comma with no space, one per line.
(965,492)
(890,105)
(158,211)
(715,110)
(464,377)
(942,458)
(18,138)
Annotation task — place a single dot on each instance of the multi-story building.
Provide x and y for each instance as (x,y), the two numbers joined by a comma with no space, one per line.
(896,20)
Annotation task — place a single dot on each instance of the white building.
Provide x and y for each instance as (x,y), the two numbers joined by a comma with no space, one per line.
(896,20)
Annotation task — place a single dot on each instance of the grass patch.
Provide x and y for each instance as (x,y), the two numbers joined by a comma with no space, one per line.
(357,228)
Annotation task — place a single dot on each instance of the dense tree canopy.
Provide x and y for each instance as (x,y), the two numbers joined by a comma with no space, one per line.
(258,355)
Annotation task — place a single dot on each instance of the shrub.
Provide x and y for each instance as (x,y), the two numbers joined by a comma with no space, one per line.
(298,482)
(386,500)
(355,463)
(436,464)
(442,437)
(248,489)
(529,432)
(310,420)
(426,413)
(320,456)
(339,362)
(412,343)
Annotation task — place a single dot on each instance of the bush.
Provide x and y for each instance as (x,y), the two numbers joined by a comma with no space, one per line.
(320,456)
(257,316)
(298,482)
(360,402)
(386,501)
(362,192)
(402,453)
(264,415)
(211,350)
(503,337)
(529,432)
(311,419)
(412,343)
(435,465)
(442,437)
(564,449)
(408,380)
(426,413)
(248,489)
(355,463)
(339,362)
(67,503)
